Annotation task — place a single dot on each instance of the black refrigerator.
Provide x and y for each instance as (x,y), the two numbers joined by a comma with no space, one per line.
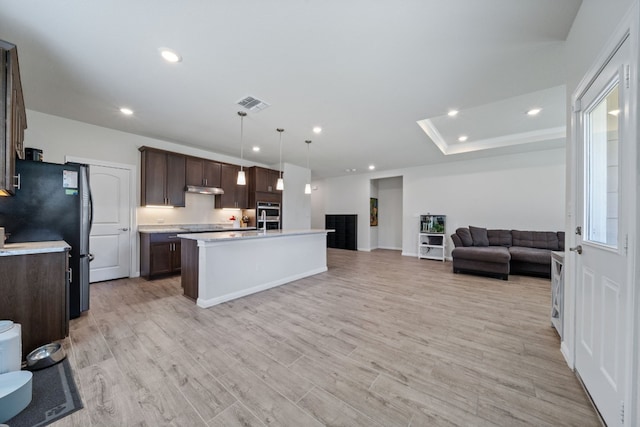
(53,202)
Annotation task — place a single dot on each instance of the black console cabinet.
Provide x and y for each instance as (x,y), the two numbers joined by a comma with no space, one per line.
(346,234)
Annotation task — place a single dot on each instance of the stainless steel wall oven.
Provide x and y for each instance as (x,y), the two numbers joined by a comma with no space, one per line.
(268,215)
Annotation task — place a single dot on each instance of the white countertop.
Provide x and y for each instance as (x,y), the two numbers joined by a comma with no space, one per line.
(28,248)
(246,235)
(189,228)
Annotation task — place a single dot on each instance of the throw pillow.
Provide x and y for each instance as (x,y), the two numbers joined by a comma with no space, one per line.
(465,236)
(479,236)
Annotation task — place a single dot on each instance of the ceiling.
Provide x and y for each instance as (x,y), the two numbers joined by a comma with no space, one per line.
(368,72)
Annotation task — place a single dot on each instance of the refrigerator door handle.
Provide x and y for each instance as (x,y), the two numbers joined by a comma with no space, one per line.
(90,210)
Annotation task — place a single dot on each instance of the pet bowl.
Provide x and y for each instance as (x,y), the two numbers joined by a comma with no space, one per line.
(45,356)
(15,393)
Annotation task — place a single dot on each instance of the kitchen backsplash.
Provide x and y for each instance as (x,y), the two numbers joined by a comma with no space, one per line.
(199,210)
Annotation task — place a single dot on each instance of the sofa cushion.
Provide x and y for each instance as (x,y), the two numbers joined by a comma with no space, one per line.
(530,255)
(535,239)
(479,236)
(561,240)
(456,240)
(497,254)
(465,236)
(499,237)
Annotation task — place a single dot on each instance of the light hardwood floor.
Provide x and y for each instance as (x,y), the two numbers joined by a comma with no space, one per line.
(378,340)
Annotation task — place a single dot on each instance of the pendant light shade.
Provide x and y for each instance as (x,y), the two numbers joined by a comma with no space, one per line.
(280,183)
(307,187)
(242,180)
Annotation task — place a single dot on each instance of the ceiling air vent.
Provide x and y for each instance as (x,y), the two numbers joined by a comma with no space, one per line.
(253,104)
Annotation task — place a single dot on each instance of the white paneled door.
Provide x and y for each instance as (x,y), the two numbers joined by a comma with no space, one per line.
(604,209)
(110,239)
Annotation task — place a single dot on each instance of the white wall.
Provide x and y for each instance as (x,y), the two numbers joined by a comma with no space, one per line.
(390,192)
(518,191)
(296,214)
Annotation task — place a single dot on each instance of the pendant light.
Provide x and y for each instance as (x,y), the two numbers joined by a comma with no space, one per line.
(241,178)
(280,183)
(307,187)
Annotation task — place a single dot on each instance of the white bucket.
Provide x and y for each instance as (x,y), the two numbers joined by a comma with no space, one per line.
(10,346)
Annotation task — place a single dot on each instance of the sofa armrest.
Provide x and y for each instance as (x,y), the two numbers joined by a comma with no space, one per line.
(456,240)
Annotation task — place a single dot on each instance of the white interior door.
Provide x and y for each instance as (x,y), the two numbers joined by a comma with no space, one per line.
(605,163)
(110,238)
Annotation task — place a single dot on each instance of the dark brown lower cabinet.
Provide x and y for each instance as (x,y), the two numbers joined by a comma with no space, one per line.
(159,254)
(34,292)
(189,275)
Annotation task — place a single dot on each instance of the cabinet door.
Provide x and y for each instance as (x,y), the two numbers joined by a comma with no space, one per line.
(212,173)
(194,169)
(262,180)
(161,258)
(176,255)
(34,294)
(15,119)
(235,196)
(228,177)
(154,177)
(266,180)
(176,164)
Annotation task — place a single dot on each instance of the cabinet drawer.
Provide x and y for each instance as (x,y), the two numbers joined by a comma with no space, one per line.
(164,238)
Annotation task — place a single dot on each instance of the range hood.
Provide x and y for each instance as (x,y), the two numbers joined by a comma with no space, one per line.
(204,190)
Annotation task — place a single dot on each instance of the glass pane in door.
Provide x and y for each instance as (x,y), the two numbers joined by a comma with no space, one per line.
(602,169)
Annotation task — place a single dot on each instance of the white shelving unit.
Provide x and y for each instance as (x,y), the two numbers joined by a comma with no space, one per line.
(557,291)
(432,238)
(431,246)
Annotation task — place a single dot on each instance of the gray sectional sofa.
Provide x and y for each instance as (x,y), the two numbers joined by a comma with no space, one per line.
(502,252)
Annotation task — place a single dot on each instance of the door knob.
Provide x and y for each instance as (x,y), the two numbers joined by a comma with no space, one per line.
(577,249)
(123,229)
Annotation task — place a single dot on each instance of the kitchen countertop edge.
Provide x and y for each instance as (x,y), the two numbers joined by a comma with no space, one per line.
(246,235)
(178,229)
(29,248)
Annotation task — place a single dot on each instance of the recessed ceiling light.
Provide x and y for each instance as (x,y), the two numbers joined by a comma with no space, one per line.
(534,111)
(463,138)
(452,113)
(170,55)
(256,148)
(126,111)
(372,167)
(614,112)
(317,129)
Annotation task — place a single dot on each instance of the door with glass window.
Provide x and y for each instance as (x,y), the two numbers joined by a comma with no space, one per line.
(605,163)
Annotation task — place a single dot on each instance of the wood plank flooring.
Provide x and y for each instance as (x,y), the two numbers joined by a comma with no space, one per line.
(378,340)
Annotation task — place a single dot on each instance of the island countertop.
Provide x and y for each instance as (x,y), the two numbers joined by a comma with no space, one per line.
(245,235)
(29,248)
(219,267)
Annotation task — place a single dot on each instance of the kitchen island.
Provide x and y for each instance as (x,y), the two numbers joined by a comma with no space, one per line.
(222,266)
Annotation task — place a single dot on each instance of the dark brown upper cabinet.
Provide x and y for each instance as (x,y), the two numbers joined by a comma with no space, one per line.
(262,186)
(235,196)
(14,118)
(163,178)
(202,172)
